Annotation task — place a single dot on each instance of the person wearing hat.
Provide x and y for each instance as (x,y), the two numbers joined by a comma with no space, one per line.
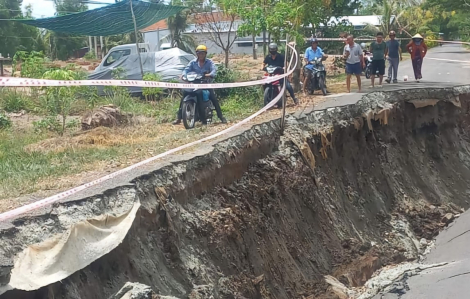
(417,49)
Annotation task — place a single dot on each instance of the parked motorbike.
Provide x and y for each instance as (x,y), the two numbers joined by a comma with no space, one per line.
(317,78)
(272,89)
(195,108)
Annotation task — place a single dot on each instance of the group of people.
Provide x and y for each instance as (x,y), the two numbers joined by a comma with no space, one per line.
(353,54)
(205,66)
(381,51)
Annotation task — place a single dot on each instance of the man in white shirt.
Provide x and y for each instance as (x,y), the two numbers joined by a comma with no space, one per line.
(354,61)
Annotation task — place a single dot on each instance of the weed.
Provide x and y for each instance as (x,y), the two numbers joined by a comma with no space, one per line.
(5,121)
(49,123)
(13,101)
(165,110)
(152,93)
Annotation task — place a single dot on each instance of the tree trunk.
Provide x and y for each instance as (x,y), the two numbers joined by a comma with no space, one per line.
(227,53)
(264,43)
(296,74)
(255,56)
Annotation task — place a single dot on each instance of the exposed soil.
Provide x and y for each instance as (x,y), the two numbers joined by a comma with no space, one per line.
(268,216)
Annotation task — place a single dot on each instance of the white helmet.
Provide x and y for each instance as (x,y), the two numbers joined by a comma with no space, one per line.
(363,45)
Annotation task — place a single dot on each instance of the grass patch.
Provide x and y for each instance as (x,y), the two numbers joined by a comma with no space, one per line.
(20,169)
(12,100)
(32,161)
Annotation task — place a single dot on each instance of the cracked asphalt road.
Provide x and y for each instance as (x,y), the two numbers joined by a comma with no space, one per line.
(451,281)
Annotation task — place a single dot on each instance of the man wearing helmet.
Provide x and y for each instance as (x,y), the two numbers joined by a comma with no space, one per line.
(276,59)
(313,52)
(205,66)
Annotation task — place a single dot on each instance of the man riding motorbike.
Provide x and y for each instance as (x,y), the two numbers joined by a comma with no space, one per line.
(311,54)
(276,59)
(206,67)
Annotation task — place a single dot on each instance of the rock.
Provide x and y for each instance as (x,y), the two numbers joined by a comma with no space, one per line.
(104,116)
(135,290)
(423,242)
(337,288)
(447,218)
(258,279)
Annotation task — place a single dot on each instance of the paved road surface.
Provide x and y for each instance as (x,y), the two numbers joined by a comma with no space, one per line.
(437,72)
(452,245)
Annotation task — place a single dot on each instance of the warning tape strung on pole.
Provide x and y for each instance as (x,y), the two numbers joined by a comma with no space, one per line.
(56,198)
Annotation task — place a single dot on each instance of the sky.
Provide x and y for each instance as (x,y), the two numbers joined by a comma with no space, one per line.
(45,8)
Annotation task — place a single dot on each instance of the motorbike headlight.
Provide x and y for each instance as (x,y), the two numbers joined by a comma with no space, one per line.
(270,69)
(191,76)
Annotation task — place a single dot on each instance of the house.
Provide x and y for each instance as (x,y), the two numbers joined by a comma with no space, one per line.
(202,26)
(154,34)
(358,22)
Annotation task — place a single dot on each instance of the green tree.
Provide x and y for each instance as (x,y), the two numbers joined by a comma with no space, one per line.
(62,45)
(178,24)
(16,36)
(253,13)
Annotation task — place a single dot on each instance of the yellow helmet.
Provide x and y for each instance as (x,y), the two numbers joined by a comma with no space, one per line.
(201,48)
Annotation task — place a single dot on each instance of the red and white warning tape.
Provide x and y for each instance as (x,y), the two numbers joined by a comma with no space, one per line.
(53,199)
(26,82)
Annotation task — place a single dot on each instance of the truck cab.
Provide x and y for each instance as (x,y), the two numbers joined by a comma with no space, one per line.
(118,52)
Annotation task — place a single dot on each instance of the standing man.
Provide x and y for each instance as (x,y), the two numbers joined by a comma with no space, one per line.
(276,59)
(379,52)
(313,52)
(394,53)
(354,61)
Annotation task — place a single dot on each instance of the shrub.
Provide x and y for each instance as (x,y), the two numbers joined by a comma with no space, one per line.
(152,93)
(33,64)
(90,55)
(58,100)
(227,75)
(5,121)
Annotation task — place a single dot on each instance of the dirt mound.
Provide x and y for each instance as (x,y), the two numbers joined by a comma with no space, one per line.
(343,193)
(104,116)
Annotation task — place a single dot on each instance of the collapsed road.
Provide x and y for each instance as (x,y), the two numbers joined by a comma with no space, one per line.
(362,182)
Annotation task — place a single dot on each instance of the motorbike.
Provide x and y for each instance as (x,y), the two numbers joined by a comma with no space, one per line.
(272,89)
(318,77)
(368,68)
(193,106)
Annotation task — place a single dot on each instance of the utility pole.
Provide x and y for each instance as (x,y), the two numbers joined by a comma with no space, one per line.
(137,39)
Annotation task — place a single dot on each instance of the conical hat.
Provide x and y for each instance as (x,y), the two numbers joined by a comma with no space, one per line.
(418,36)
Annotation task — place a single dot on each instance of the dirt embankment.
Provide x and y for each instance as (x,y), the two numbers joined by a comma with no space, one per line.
(342,193)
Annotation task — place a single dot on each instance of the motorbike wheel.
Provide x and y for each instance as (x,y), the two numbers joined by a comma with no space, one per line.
(367,73)
(268,95)
(322,85)
(189,114)
(311,86)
